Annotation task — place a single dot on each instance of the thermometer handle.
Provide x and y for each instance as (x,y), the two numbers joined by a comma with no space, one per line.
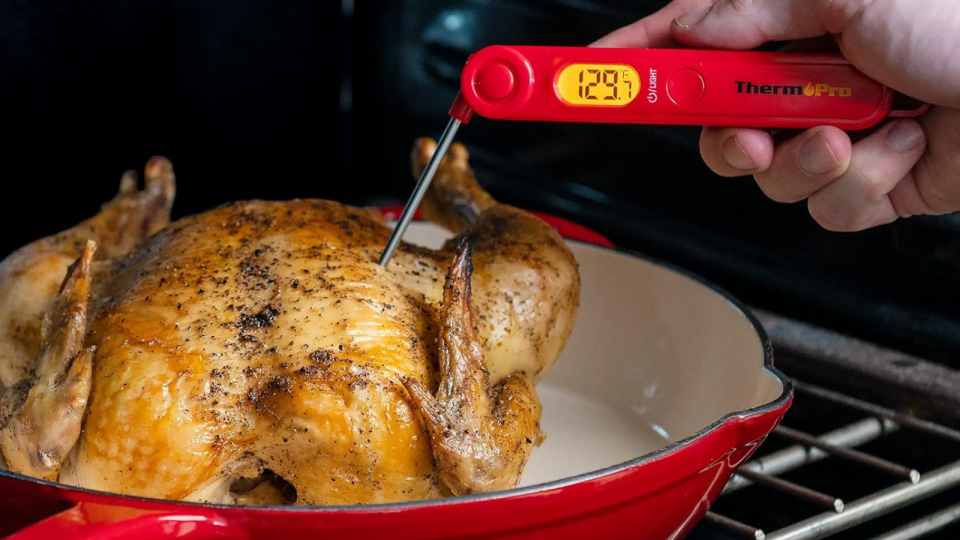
(672,87)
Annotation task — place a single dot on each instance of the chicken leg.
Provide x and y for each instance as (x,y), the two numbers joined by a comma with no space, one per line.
(31,276)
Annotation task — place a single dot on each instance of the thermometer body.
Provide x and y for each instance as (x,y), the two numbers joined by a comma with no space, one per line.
(657,86)
(672,87)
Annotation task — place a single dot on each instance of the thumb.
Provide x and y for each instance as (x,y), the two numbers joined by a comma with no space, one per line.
(906,45)
(650,31)
(745,24)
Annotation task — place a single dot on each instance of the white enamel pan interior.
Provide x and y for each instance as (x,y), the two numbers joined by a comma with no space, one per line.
(656,357)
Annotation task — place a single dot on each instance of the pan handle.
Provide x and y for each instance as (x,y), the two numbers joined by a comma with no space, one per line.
(90,521)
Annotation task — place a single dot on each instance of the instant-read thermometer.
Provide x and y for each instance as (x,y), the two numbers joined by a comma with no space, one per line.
(658,86)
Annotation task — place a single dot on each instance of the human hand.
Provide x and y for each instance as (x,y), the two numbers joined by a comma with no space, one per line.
(906,167)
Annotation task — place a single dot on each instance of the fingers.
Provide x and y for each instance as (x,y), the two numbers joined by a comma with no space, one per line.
(932,187)
(861,197)
(805,164)
(652,31)
(849,187)
(736,152)
(786,173)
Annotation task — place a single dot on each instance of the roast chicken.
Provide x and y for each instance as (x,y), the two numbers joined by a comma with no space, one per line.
(257,353)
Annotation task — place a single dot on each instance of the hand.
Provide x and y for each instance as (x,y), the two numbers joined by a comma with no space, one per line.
(907,167)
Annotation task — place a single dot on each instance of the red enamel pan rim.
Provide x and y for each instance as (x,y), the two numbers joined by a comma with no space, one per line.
(577,234)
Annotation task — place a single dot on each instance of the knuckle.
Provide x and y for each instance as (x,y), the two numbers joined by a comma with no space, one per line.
(934,191)
(642,31)
(778,190)
(832,218)
(709,139)
(742,6)
(874,188)
(710,153)
(838,15)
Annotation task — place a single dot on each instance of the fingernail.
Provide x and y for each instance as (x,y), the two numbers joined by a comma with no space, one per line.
(816,157)
(905,136)
(736,156)
(689,19)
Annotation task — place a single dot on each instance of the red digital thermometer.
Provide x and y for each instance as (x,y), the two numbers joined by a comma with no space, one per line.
(673,87)
(659,86)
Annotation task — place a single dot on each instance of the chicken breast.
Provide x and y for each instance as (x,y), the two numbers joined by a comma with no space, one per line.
(257,353)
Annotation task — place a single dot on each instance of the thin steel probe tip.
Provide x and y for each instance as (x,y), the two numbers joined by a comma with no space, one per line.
(418,192)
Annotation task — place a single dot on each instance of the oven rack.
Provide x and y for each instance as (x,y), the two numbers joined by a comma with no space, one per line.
(908,486)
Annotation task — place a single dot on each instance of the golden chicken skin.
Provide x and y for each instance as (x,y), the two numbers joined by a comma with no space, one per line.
(257,353)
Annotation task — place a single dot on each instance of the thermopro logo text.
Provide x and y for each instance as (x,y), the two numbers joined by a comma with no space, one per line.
(810,90)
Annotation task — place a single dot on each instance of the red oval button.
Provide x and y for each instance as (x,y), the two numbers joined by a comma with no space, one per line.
(495,82)
(685,87)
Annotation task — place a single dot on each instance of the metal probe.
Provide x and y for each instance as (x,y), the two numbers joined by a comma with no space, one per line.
(460,113)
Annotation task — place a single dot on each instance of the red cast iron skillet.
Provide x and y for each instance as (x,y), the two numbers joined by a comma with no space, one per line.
(665,388)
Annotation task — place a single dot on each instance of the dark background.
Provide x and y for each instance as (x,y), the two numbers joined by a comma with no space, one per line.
(275,100)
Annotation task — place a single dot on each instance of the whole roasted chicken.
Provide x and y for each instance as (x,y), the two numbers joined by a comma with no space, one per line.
(257,353)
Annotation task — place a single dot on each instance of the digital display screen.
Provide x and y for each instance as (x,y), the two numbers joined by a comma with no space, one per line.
(598,84)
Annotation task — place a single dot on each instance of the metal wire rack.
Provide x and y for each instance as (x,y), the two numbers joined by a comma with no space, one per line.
(907,487)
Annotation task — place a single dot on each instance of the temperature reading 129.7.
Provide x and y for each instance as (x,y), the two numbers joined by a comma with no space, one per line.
(597,84)
(602,84)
